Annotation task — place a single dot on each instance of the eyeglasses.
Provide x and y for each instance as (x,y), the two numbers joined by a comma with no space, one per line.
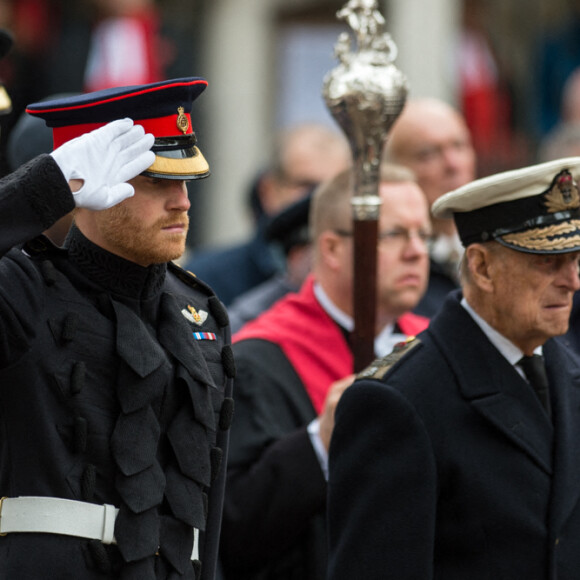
(397,237)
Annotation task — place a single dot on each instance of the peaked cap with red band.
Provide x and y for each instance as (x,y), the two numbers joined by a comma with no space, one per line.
(163,109)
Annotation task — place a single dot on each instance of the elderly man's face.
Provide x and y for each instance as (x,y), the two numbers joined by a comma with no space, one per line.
(532,295)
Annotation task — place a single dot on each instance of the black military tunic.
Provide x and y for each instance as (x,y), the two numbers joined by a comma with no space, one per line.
(114,388)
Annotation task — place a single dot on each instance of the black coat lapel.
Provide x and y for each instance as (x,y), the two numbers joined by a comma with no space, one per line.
(564,374)
(494,388)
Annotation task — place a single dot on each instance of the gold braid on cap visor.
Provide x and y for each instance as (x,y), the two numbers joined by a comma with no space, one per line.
(539,238)
(190,163)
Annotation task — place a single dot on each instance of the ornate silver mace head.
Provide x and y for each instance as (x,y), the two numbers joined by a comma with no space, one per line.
(366,92)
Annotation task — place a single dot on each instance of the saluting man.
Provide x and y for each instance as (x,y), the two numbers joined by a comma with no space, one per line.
(115,364)
(457,457)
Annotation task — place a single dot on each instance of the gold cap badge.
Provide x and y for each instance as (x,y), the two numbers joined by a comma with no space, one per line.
(182,120)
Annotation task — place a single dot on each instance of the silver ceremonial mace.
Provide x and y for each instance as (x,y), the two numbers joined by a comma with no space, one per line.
(365,94)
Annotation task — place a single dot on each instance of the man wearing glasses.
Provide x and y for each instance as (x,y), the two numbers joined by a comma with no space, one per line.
(293,363)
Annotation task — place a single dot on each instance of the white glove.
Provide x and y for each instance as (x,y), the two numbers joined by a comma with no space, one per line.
(105,159)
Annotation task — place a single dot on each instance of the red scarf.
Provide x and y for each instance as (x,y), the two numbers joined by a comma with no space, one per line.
(311,340)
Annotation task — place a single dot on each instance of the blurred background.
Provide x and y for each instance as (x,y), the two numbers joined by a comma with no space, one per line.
(509,65)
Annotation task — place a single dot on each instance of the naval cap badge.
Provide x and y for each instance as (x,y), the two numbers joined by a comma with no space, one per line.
(563,194)
(182,120)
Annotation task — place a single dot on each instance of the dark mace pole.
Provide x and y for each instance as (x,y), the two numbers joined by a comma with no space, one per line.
(365,94)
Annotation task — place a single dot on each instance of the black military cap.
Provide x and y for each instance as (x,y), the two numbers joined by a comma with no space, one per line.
(289,227)
(535,209)
(163,109)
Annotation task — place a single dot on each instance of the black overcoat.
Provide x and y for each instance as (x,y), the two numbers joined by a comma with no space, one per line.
(274,511)
(449,468)
(106,396)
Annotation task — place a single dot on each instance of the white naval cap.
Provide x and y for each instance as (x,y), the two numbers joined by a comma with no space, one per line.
(535,209)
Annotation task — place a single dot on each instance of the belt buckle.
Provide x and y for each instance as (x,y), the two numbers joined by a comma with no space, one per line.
(1,500)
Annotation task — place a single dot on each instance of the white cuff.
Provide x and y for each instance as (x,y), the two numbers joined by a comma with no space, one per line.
(321,453)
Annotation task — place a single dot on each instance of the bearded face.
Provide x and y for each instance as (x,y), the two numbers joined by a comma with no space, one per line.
(148,228)
(145,244)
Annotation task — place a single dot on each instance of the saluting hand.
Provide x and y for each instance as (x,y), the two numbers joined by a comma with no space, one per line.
(104,160)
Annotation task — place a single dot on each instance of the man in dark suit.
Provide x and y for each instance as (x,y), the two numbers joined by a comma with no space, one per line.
(291,364)
(287,232)
(451,459)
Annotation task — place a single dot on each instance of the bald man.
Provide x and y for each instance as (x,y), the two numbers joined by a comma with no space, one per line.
(432,139)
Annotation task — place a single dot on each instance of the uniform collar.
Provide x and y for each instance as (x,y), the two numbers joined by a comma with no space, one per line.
(111,272)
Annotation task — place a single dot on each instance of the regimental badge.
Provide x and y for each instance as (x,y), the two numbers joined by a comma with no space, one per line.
(182,120)
(194,316)
(563,194)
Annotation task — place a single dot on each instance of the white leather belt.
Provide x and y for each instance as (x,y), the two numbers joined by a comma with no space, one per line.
(53,515)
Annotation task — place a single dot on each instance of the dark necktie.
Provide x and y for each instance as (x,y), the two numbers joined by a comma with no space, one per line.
(535,371)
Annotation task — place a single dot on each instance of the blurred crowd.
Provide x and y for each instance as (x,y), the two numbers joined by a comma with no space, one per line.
(72,47)
(62,47)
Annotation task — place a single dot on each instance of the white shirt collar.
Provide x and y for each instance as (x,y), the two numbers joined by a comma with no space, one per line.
(505,346)
(384,341)
(340,317)
(387,339)
(447,248)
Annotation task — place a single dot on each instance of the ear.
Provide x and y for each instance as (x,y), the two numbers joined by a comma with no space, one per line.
(268,194)
(331,248)
(480,265)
